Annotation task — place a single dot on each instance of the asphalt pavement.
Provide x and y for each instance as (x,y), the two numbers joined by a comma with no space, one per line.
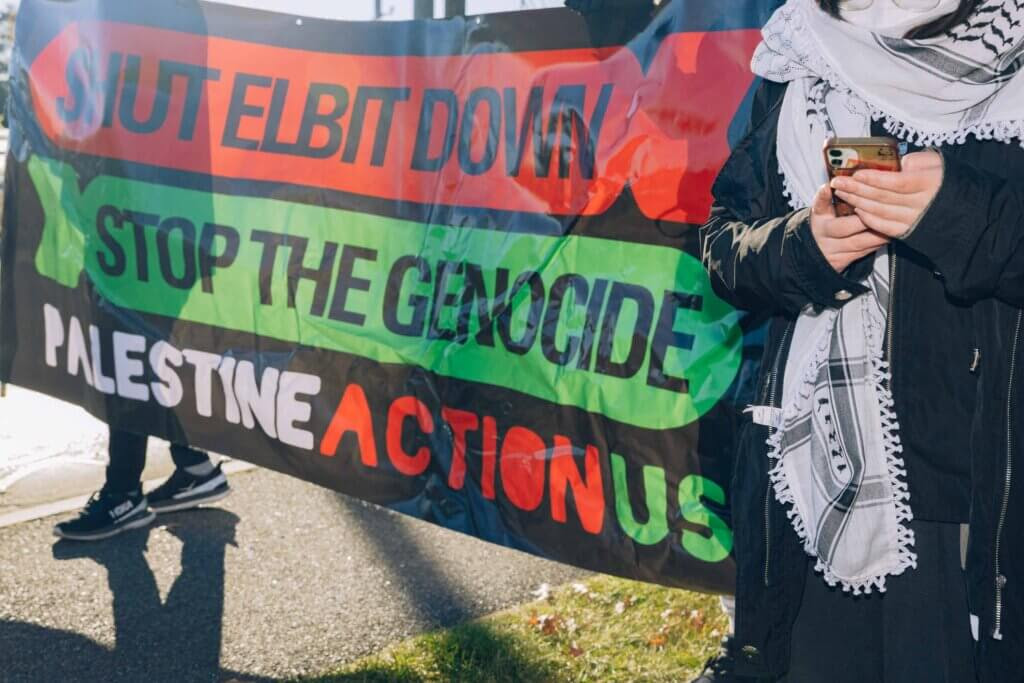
(282,578)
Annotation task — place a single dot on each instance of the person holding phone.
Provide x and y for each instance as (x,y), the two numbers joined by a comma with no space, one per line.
(876,501)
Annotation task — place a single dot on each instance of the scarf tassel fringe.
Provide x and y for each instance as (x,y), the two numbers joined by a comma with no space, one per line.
(880,378)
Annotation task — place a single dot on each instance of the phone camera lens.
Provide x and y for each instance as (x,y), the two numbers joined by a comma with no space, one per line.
(835,153)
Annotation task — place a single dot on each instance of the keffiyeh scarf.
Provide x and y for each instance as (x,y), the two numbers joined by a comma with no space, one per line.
(836,451)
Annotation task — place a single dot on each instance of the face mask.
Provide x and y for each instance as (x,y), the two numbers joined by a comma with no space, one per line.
(894,18)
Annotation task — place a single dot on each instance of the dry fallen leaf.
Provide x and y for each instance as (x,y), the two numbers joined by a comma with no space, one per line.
(667,613)
(697,619)
(543,592)
(657,640)
(549,624)
(575,650)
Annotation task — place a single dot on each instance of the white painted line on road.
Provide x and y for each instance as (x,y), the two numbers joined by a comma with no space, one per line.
(69,504)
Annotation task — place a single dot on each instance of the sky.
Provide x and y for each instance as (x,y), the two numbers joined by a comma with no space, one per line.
(363,9)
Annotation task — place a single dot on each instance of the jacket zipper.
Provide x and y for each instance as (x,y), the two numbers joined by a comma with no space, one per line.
(770,390)
(1000,579)
(889,317)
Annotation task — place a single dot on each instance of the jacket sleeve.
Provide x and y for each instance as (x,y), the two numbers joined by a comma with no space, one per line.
(760,254)
(973,233)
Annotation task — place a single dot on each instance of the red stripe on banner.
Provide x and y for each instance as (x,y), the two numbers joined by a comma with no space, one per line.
(552,132)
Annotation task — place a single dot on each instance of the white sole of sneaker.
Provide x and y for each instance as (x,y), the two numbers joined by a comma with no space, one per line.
(145,520)
(189,504)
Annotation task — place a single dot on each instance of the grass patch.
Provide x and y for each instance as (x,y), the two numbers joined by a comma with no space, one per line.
(604,629)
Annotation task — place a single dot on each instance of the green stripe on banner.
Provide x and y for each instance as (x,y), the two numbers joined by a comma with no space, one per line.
(627,330)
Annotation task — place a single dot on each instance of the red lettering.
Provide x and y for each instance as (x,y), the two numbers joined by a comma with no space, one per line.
(402,408)
(589,495)
(460,422)
(523,464)
(490,451)
(352,415)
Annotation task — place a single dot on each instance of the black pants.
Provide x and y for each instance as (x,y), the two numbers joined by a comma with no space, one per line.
(918,630)
(128,458)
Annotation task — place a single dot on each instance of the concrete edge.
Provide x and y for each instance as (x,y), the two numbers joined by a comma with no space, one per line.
(66,505)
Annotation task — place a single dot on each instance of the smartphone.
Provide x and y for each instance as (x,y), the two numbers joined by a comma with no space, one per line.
(844,156)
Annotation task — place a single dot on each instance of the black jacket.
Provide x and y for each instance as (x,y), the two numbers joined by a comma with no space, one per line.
(954,344)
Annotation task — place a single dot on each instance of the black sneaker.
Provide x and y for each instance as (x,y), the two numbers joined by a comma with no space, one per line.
(182,490)
(105,515)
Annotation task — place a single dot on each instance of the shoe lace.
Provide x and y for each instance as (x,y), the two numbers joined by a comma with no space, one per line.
(94,501)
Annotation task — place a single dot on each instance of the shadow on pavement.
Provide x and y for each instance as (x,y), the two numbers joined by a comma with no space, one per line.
(428,590)
(174,640)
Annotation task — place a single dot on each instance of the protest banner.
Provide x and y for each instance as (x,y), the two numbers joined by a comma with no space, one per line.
(450,267)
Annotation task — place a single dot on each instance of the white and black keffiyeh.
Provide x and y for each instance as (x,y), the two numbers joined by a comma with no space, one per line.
(836,450)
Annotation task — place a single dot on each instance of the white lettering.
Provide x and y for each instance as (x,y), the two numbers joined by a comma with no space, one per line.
(168,392)
(205,364)
(102,382)
(78,354)
(291,410)
(54,326)
(227,381)
(257,401)
(126,368)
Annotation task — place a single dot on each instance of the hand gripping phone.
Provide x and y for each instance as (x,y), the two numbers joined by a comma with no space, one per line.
(844,156)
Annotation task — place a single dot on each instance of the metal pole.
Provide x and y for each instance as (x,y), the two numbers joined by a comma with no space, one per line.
(454,8)
(423,9)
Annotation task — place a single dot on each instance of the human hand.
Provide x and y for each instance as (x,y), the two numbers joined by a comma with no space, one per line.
(844,239)
(890,202)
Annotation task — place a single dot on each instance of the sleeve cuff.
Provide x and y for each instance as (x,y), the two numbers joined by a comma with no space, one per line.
(945,226)
(820,282)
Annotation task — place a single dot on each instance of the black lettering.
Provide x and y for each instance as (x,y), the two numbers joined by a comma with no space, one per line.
(130,94)
(188,252)
(208,260)
(665,337)
(271,242)
(297,270)
(139,222)
(388,98)
(115,263)
(79,67)
(417,302)
(346,281)
(278,97)
(549,332)
(565,118)
(522,345)
(194,75)
(238,109)
(475,291)
(442,299)
(621,292)
(110,88)
(421,159)
(590,327)
(515,149)
(484,164)
(313,120)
